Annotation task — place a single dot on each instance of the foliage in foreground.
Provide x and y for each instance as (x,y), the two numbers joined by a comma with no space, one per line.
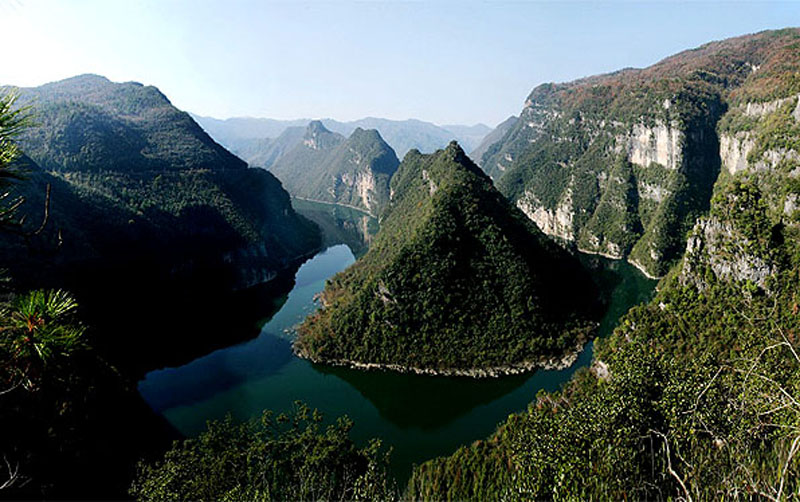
(280,457)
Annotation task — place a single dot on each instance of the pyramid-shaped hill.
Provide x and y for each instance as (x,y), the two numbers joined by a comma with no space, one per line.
(457,281)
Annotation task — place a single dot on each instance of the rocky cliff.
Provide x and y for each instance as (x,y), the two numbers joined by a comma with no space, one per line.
(623,164)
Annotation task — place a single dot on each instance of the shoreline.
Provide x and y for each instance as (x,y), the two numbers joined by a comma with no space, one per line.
(641,269)
(544,363)
(599,253)
(361,210)
(636,264)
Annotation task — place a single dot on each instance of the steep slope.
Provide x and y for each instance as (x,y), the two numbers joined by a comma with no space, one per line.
(141,195)
(562,163)
(353,172)
(492,138)
(456,281)
(156,173)
(695,394)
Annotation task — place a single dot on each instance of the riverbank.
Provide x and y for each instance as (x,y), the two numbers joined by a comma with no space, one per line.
(544,363)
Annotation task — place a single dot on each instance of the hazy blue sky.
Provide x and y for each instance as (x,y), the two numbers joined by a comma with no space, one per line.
(446,62)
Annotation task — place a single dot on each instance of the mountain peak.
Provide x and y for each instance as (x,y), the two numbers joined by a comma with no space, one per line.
(434,276)
(316,127)
(318,137)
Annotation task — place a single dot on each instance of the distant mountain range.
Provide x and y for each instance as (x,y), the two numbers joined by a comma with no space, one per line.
(260,141)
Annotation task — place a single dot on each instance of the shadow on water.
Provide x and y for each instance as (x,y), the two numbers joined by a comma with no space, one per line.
(215,373)
(420,417)
(340,225)
(425,402)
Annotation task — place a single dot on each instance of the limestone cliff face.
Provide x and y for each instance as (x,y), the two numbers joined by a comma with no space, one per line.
(747,130)
(327,168)
(360,187)
(758,196)
(658,144)
(716,246)
(761,141)
(734,149)
(615,186)
(557,222)
(624,164)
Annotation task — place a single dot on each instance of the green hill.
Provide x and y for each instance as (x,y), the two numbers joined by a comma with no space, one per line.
(455,279)
(327,168)
(141,196)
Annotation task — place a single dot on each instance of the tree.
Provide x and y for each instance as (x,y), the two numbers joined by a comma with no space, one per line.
(288,457)
(38,329)
(13,120)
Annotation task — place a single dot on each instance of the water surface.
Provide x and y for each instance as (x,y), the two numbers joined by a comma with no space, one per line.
(420,417)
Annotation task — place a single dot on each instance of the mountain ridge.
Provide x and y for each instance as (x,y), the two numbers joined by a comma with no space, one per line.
(251,137)
(326,167)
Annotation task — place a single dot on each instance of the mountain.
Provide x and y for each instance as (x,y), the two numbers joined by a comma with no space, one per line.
(141,195)
(327,168)
(623,164)
(469,137)
(252,139)
(456,280)
(693,395)
(266,152)
(491,139)
(243,128)
(405,135)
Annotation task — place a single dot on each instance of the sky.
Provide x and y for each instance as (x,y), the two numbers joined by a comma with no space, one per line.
(444,62)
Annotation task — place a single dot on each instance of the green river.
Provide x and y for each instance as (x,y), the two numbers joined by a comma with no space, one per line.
(420,417)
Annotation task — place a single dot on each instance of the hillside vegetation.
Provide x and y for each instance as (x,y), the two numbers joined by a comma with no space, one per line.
(455,279)
(695,394)
(623,164)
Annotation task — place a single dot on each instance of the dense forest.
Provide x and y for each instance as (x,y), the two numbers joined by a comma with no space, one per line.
(455,279)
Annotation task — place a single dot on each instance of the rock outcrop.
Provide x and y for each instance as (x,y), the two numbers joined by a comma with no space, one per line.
(675,124)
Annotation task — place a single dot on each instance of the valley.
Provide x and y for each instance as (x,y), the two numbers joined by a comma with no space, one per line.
(597,299)
(419,417)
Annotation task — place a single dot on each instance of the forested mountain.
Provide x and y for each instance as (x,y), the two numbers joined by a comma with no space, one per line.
(694,396)
(254,139)
(491,139)
(689,169)
(325,167)
(623,164)
(140,194)
(129,204)
(160,182)
(456,279)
